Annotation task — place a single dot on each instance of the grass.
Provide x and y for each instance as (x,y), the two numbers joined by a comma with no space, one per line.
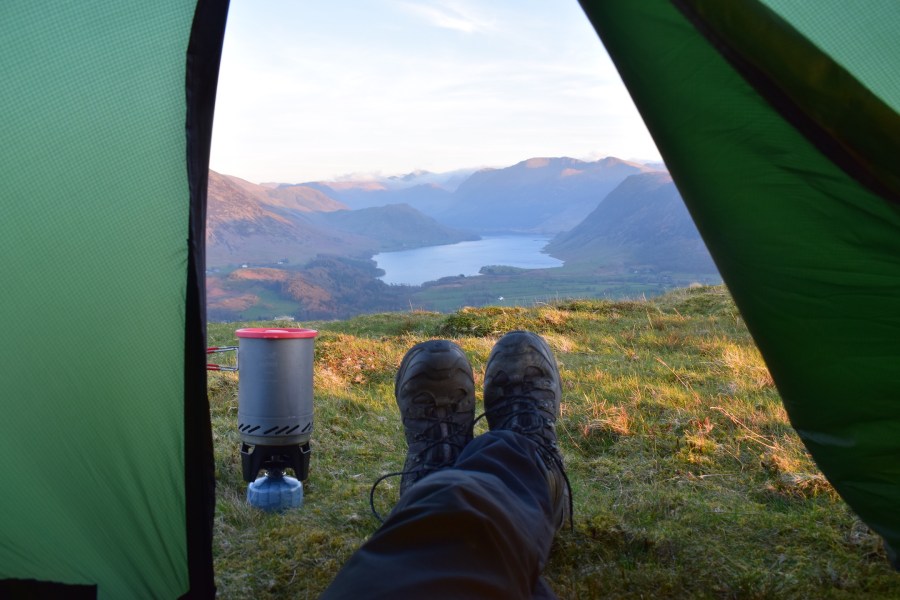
(523,287)
(688,480)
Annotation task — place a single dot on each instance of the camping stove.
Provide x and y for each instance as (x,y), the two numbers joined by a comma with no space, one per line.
(275,412)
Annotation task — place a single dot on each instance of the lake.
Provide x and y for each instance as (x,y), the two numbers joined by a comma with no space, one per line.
(415,267)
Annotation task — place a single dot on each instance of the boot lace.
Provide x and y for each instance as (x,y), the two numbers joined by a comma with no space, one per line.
(435,431)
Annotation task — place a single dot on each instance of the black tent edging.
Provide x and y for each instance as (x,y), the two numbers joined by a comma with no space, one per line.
(204,54)
(46,590)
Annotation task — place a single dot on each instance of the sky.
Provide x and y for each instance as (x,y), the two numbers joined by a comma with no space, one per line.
(312,90)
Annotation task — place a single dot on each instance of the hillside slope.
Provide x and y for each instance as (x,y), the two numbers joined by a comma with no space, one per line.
(395,226)
(688,480)
(641,224)
(249,223)
(538,195)
(243,225)
(546,195)
(302,198)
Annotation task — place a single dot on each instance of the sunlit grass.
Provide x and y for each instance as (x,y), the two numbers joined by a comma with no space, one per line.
(688,479)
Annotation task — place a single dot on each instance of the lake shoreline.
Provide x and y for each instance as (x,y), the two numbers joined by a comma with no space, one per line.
(431,263)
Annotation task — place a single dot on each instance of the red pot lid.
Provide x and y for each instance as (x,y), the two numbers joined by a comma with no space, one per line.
(275,333)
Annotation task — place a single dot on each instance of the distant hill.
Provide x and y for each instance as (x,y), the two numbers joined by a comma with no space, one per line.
(431,199)
(296,197)
(396,227)
(641,224)
(302,198)
(546,195)
(244,224)
(305,249)
(249,223)
(448,181)
(353,190)
(354,194)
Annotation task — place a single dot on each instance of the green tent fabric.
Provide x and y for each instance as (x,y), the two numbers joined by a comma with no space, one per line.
(107,468)
(779,122)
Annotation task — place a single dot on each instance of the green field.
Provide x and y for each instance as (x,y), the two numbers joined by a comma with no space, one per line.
(526,288)
(352,288)
(688,480)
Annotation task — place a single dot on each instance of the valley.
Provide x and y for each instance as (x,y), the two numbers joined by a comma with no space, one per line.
(304,251)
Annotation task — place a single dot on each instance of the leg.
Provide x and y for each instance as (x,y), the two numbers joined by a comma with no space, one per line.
(481,529)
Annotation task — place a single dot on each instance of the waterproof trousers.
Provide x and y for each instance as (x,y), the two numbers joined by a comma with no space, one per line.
(481,528)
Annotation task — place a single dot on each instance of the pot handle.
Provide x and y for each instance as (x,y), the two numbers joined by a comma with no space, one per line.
(217,349)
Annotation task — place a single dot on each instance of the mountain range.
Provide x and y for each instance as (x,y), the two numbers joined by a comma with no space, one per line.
(252,224)
(310,244)
(538,195)
(642,224)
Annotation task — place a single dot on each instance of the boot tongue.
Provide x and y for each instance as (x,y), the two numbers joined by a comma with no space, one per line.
(532,372)
(529,421)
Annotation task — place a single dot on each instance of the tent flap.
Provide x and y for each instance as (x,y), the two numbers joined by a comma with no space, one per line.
(108,465)
(792,185)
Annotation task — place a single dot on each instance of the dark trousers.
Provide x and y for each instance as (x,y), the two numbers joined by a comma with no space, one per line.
(479,529)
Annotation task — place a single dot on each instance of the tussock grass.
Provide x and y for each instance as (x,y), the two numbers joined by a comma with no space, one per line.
(689,481)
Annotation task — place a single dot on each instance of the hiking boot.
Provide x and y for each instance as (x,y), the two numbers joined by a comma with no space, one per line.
(435,392)
(522,392)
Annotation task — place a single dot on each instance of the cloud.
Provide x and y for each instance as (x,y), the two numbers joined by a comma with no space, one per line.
(448,15)
(397,85)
